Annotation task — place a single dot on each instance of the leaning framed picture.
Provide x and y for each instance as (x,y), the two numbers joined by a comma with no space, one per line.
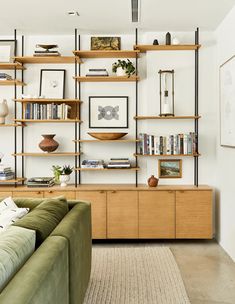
(7,50)
(105,43)
(170,168)
(227,103)
(52,83)
(107,112)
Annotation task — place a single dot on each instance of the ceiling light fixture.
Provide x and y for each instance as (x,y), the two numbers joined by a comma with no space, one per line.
(135,10)
(73,13)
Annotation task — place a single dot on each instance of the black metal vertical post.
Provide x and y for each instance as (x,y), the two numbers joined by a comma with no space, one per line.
(22,127)
(79,96)
(15,111)
(75,124)
(136,110)
(196,104)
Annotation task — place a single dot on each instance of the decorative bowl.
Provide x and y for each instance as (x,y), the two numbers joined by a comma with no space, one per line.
(47,46)
(107,136)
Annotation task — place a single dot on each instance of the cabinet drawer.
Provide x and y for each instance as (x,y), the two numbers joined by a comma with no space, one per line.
(98,211)
(4,194)
(55,193)
(38,194)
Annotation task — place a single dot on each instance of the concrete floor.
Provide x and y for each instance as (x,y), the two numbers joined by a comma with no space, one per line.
(208,272)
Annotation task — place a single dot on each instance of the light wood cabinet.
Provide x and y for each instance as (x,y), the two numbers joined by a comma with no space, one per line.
(122,214)
(194,214)
(4,194)
(37,194)
(157,214)
(55,193)
(98,211)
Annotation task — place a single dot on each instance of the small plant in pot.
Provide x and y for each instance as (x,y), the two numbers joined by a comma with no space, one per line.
(123,68)
(62,174)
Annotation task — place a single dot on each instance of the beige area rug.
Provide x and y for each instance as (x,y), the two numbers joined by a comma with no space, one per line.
(136,274)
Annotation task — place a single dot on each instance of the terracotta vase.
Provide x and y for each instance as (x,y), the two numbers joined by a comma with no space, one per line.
(152,181)
(48,144)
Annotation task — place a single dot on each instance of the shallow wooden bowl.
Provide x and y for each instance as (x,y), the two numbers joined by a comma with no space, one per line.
(107,136)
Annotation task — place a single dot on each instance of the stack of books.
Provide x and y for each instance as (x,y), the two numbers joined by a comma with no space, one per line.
(119,163)
(44,52)
(168,145)
(97,72)
(93,163)
(47,111)
(40,182)
(6,173)
(4,76)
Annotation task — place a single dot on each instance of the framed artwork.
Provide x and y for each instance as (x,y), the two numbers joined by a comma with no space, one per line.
(52,83)
(105,43)
(7,50)
(170,168)
(227,103)
(107,112)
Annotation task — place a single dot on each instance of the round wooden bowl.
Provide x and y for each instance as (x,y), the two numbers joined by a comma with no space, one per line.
(107,136)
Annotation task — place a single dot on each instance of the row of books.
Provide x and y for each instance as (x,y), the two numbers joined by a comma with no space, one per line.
(4,76)
(6,173)
(97,72)
(168,145)
(114,163)
(40,182)
(47,111)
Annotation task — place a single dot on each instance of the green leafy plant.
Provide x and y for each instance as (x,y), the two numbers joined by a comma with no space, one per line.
(127,66)
(58,170)
(67,170)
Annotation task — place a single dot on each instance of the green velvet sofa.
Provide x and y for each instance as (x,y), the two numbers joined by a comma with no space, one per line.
(59,269)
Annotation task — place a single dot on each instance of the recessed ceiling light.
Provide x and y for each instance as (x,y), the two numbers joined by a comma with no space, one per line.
(73,13)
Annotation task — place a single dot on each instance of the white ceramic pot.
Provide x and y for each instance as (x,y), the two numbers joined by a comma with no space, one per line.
(3,111)
(120,72)
(64,179)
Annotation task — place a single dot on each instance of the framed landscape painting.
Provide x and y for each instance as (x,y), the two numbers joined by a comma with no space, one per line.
(105,43)
(108,112)
(170,168)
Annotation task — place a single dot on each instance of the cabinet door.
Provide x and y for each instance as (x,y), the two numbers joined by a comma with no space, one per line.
(38,194)
(122,214)
(194,214)
(157,214)
(55,193)
(98,211)
(4,194)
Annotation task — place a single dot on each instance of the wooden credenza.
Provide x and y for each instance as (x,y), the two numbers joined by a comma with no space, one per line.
(127,212)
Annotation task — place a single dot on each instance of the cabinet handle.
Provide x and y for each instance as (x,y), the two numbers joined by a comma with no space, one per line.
(102,191)
(113,191)
(39,192)
(50,191)
(181,191)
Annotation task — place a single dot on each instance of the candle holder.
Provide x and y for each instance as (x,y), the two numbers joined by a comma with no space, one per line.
(166,92)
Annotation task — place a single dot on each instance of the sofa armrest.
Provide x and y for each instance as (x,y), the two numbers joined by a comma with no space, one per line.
(44,278)
(76,228)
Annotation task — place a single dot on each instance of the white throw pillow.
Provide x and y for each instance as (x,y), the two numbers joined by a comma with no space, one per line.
(7,203)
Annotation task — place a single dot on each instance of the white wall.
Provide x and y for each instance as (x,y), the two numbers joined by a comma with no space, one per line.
(225,198)
(182,62)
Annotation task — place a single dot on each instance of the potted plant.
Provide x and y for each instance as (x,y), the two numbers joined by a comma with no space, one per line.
(123,68)
(62,175)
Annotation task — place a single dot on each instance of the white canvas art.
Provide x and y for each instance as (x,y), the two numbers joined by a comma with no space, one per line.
(6,51)
(227,103)
(52,83)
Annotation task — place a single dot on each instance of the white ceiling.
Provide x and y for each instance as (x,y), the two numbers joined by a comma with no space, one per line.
(110,16)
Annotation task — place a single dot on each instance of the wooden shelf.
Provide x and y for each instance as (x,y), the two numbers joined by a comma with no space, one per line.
(106,78)
(46,59)
(12,181)
(180,47)
(11,66)
(168,155)
(10,125)
(107,141)
(166,117)
(45,154)
(47,100)
(107,54)
(106,169)
(48,120)
(12,82)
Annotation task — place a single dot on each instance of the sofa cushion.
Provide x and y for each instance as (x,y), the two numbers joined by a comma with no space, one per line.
(16,245)
(44,218)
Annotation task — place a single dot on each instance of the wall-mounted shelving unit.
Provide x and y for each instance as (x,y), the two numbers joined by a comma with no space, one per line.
(180,47)
(46,59)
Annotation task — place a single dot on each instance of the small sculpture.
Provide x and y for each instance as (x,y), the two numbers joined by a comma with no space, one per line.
(3,111)
(168,38)
(155,42)
(152,181)
(175,41)
(48,144)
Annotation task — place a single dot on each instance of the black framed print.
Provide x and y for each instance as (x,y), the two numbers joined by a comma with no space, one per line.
(52,83)
(108,112)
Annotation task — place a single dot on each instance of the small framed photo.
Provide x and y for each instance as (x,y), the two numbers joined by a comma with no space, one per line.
(108,112)
(105,43)
(7,50)
(170,168)
(52,83)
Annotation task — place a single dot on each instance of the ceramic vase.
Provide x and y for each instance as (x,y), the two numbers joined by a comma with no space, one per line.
(64,179)
(48,144)
(3,111)
(152,181)
(120,72)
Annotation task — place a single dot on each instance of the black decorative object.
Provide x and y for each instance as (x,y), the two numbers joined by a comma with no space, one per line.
(168,38)
(155,42)
(166,92)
